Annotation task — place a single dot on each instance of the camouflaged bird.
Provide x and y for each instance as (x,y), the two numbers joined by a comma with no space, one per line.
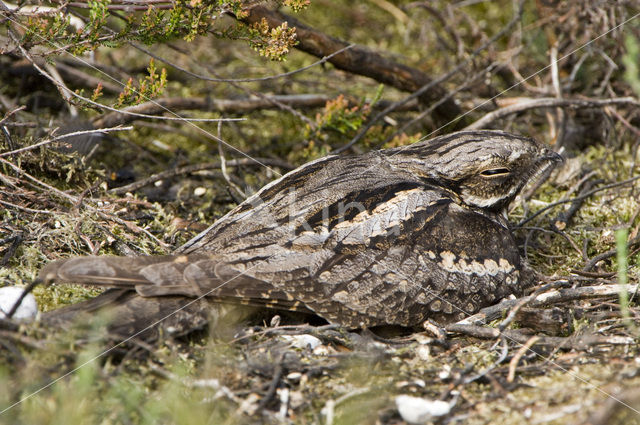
(389,237)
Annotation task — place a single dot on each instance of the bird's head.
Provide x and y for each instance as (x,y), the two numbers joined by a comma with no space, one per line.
(483,169)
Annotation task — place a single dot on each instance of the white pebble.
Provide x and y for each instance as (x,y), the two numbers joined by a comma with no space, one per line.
(294,376)
(423,352)
(302,341)
(416,410)
(199,191)
(445,373)
(9,295)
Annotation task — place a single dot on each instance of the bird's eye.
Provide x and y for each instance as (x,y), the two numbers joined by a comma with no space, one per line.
(495,172)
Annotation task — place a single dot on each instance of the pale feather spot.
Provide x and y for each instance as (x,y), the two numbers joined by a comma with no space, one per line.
(436,305)
(390,278)
(325,276)
(421,298)
(463,266)
(491,266)
(342,297)
(477,267)
(505,265)
(403,285)
(448,258)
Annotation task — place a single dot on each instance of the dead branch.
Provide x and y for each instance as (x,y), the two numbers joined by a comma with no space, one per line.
(190,169)
(458,120)
(235,80)
(574,342)
(236,106)
(63,89)
(62,137)
(586,195)
(22,339)
(359,60)
(513,364)
(75,201)
(491,313)
(525,104)
(608,254)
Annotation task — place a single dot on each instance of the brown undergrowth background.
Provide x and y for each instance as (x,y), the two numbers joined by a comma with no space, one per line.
(127,127)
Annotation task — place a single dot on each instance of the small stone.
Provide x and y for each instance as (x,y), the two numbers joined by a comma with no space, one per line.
(297,399)
(415,410)
(9,295)
(275,321)
(160,145)
(199,191)
(321,350)
(250,404)
(423,352)
(303,341)
(445,373)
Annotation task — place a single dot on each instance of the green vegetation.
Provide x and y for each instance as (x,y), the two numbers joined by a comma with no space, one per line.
(222,379)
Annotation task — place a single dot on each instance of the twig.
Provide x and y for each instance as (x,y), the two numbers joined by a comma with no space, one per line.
(223,166)
(241,80)
(275,381)
(608,254)
(64,136)
(562,220)
(10,113)
(22,339)
(435,83)
(65,91)
(108,108)
(189,169)
(549,102)
(459,50)
(18,302)
(513,364)
(86,79)
(576,342)
(554,296)
(74,201)
(25,209)
(429,110)
(236,106)
(503,355)
(586,195)
(213,384)
(593,275)
(523,302)
(358,60)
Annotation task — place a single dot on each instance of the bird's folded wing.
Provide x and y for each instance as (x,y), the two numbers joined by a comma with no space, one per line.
(195,275)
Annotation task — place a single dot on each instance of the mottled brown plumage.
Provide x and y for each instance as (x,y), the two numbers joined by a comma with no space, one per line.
(390,237)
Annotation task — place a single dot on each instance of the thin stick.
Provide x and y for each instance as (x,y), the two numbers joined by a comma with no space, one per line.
(513,364)
(548,102)
(65,136)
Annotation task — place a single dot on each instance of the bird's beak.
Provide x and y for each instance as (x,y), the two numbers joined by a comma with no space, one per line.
(549,155)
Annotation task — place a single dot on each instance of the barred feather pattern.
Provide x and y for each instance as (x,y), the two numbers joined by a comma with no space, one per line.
(390,237)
